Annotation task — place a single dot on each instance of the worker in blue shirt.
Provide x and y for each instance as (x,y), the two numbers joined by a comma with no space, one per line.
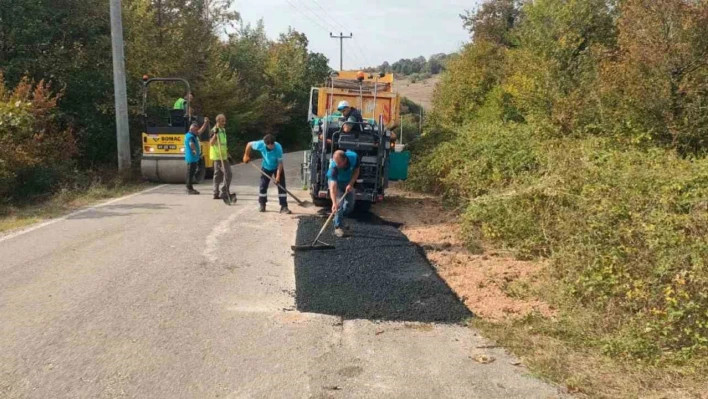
(193,153)
(342,175)
(272,164)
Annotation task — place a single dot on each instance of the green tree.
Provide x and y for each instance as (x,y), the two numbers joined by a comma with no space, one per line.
(659,78)
(464,89)
(261,85)
(494,21)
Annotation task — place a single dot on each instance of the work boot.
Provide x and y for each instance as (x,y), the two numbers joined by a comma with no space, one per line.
(217,197)
(339,232)
(261,208)
(285,210)
(192,191)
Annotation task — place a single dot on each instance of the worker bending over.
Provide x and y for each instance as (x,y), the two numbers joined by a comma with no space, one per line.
(272,164)
(342,175)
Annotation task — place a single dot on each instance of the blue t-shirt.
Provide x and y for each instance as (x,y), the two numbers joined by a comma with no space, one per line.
(271,158)
(343,176)
(189,157)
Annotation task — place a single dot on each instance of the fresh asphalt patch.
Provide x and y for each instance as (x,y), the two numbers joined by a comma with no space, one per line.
(375,273)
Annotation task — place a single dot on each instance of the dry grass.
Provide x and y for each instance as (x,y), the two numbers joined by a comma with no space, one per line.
(18,216)
(420,92)
(511,301)
(555,354)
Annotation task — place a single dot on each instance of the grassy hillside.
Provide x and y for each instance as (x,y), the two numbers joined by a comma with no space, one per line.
(420,92)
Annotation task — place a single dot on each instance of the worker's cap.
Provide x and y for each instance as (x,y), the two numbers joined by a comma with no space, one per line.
(342,104)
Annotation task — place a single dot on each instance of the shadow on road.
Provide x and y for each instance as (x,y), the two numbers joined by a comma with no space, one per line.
(376,274)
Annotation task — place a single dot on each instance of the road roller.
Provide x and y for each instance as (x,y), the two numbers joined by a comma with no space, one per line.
(163,144)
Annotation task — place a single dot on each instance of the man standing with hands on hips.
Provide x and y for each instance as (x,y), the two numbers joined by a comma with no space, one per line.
(272,164)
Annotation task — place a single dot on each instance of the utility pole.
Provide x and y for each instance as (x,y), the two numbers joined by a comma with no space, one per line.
(121,97)
(341,38)
(420,121)
(401,117)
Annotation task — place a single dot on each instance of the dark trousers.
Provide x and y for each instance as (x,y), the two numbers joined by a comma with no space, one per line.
(192,170)
(263,195)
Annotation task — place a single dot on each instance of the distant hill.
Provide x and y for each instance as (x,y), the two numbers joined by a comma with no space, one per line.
(420,65)
(420,92)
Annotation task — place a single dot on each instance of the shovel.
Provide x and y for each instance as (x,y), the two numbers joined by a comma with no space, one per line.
(229,198)
(313,246)
(304,204)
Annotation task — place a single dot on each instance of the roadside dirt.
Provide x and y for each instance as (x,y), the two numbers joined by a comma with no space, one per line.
(490,284)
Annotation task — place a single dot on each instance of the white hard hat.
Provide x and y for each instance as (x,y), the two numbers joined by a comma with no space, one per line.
(342,104)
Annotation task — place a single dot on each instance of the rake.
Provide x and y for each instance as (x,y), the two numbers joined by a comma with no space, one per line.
(314,246)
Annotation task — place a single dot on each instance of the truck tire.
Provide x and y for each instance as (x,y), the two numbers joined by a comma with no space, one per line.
(362,206)
(320,202)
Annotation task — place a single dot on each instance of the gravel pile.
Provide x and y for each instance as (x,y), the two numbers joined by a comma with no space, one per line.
(375,273)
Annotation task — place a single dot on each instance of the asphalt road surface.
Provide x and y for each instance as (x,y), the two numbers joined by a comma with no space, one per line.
(164,295)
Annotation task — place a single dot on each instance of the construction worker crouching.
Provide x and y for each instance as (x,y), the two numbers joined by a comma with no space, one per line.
(342,175)
(272,164)
(218,151)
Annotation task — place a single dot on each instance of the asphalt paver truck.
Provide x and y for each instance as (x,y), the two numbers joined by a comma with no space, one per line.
(380,163)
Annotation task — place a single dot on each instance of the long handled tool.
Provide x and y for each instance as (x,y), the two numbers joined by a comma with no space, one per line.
(304,204)
(227,199)
(313,246)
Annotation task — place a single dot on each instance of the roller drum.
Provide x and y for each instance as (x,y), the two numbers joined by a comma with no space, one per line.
(172,171)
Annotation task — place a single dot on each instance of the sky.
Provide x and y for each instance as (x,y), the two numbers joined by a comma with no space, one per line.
(384,30)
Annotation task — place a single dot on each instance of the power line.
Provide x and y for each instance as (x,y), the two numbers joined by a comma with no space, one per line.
(366,58)
(315,22)
(349,56)
(357,55)
(331,17)
(361,55)
(314,14)
(306,16)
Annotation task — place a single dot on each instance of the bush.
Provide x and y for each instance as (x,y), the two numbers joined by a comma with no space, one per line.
(410,126)
(37,150)
(480,158)
(626,231)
